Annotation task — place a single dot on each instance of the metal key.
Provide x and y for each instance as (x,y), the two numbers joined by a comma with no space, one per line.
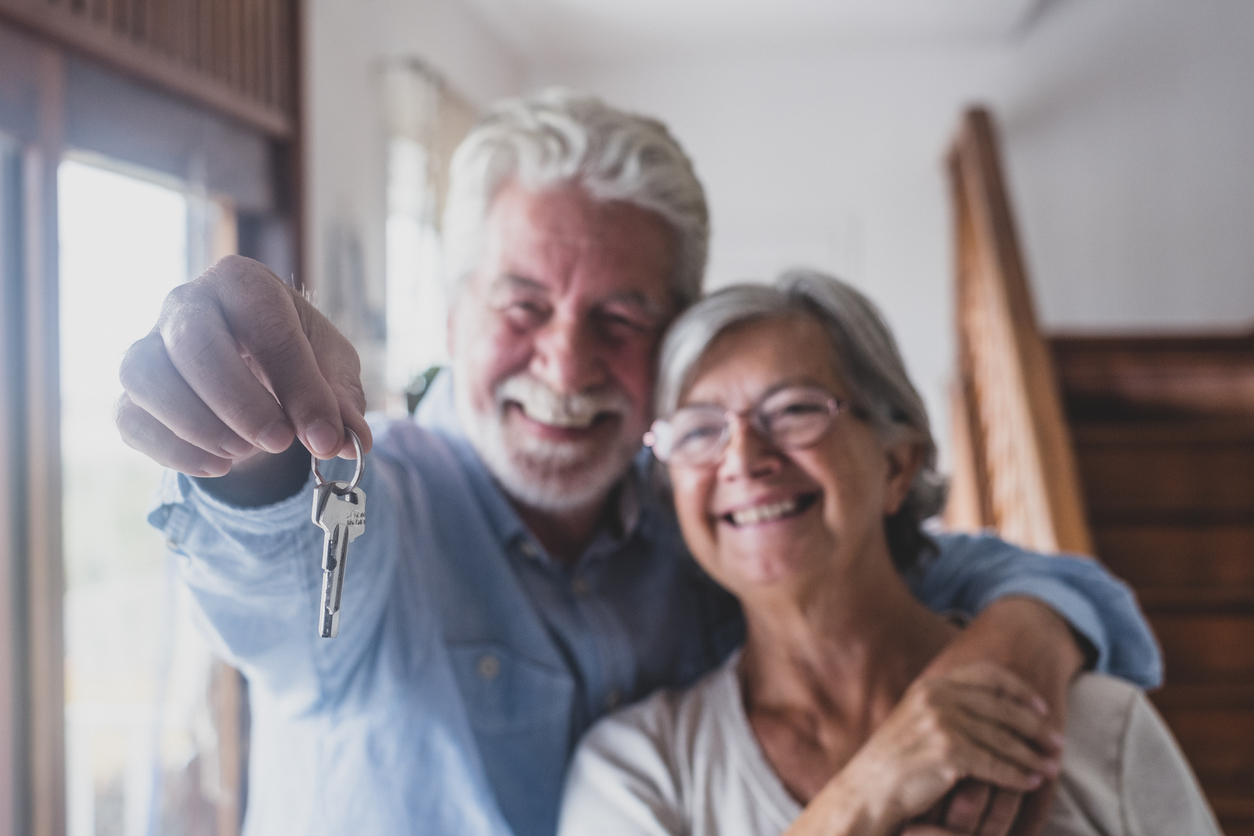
(343,517)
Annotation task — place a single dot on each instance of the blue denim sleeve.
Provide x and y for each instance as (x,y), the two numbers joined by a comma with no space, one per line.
(970,572)
(255,576)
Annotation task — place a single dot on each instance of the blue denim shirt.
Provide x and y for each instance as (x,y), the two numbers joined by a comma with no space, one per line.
(468,661)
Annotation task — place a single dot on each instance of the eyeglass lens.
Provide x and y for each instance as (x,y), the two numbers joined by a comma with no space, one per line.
(790,418)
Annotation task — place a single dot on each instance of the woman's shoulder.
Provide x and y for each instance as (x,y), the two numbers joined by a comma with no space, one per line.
(671,722)
(1122,770)
(633,770)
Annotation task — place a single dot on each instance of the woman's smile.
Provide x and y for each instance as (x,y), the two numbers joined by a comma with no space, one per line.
(769,510)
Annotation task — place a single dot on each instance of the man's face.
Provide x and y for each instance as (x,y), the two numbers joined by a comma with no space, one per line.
(554,341)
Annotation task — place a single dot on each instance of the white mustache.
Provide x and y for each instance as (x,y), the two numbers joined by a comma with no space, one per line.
(576,410)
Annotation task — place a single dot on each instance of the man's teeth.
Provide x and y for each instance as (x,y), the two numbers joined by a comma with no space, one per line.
(558,417)
(763,513)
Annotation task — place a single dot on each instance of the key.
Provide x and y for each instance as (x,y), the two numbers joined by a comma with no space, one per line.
(343,518)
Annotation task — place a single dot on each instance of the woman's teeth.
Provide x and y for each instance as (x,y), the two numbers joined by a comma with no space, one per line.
(764,513)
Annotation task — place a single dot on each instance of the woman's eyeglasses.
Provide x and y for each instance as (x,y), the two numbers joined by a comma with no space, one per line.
(790,418)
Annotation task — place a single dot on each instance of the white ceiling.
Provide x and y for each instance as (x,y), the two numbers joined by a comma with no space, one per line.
(556,31)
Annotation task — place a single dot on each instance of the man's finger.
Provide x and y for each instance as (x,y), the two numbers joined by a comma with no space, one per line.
(155,386)
(1001,812)
(966,806)
(986,765)
(155,440)
(200,345)
(272,323)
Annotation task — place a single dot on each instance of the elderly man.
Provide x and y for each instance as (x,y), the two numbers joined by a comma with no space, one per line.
(519,575)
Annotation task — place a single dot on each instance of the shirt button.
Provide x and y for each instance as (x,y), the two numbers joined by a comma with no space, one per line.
(580,586)
(612,699)
(489,666)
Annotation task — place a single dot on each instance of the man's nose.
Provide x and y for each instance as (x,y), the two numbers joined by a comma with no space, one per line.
(566,356)
(748,454)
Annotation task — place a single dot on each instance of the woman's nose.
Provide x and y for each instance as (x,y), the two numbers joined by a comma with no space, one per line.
(748,454)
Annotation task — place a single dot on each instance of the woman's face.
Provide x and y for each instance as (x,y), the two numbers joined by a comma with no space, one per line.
(762,516)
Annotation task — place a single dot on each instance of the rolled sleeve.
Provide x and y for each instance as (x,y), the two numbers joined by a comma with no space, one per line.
(255,576)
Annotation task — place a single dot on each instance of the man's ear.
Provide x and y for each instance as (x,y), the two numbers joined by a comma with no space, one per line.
(904,460)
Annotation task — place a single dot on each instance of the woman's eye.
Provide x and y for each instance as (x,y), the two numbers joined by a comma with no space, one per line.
(797,410)
(700,434)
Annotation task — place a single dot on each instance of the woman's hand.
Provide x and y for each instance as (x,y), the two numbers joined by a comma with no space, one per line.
(979,721)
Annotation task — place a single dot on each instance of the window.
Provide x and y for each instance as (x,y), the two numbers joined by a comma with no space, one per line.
(426,122)
(114,717)
(141,734)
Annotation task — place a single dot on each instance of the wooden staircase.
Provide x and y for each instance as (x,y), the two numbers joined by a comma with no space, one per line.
(1164,438)
(1137,449)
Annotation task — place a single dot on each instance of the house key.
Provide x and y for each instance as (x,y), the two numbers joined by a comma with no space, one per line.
(339,508)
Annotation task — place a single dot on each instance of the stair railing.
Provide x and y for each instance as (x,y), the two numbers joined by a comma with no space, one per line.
(1015,469)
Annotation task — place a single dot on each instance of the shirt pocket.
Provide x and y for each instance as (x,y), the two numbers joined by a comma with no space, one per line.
(506,692)
(520,714)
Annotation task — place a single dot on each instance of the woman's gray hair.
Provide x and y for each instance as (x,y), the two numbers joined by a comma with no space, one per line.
(868,361)
(559,137)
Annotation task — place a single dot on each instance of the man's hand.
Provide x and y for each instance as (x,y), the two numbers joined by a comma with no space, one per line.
(978,721)
(1030,639)
(238,365)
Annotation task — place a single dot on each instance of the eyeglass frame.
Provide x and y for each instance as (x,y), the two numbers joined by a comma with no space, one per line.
(835,407)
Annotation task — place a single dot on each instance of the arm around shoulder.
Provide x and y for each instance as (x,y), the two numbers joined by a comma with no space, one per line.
(970,572)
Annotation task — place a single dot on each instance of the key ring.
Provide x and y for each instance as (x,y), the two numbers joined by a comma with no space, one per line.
(360,469)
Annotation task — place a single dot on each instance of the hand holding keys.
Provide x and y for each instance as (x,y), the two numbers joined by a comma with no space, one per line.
(339,508)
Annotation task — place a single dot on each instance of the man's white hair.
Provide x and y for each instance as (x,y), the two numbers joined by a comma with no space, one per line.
(562,137)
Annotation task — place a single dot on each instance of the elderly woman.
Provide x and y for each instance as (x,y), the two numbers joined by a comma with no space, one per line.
(802,466)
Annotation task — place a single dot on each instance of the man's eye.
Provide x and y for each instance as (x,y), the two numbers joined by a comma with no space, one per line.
(617,323)
(525,312)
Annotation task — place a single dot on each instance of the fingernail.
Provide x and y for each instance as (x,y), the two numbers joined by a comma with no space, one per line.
(1034,781)
(1057,739)
(276,437)
(236,447)
(323,438)
(213,470)
(1039,706)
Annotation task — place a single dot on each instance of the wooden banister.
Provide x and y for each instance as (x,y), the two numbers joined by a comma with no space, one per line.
(1017,472)
(238,57)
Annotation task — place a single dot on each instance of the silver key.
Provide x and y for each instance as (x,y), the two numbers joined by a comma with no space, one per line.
(343,518)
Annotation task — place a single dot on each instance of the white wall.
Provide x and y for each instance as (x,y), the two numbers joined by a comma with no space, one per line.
(1128,127)
(346,42)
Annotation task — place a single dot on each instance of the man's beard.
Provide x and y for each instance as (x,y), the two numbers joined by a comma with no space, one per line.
(546,475)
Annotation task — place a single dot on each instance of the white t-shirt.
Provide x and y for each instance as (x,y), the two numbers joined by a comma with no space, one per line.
(686,762)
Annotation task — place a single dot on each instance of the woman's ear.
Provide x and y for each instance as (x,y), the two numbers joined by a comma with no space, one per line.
(904,460)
